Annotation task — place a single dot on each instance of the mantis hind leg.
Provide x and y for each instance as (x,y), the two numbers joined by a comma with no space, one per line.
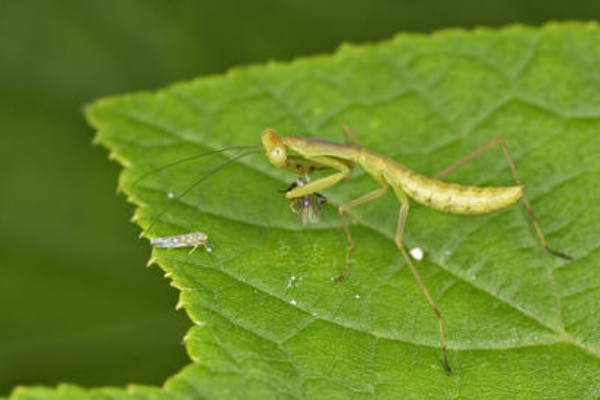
(347,206)
(404,206)
(513,168)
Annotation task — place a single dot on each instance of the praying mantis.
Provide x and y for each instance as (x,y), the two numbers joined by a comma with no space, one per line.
(309,155)
(315,154)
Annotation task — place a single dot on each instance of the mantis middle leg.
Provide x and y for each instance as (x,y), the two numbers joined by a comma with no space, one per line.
(513,168)
(404,207)
(347,206)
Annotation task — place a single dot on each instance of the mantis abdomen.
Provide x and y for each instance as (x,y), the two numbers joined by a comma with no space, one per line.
(448,197)
(451,197)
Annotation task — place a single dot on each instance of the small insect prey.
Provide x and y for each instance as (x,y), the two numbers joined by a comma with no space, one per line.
(192,239)
(307,207)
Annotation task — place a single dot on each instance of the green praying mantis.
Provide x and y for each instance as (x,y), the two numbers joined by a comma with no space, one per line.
(303,156)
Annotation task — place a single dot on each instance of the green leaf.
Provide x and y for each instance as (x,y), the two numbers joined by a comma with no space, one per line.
(519,323)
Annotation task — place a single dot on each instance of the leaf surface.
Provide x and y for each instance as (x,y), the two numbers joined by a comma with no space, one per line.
(269,320)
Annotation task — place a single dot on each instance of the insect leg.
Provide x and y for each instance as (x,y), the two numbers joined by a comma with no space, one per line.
(322,183)
(302,166)
(404,206)
(513,168)
(203,244)
(347,206)
(350,136)
(442,174)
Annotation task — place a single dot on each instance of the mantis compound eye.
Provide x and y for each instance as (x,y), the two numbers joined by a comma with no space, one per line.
(277,152)
(274,148)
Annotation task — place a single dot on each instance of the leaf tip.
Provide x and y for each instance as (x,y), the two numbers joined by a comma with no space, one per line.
(151,262)
(180,306)
(96,140)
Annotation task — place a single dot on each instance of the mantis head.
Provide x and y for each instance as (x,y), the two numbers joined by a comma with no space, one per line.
(274,148)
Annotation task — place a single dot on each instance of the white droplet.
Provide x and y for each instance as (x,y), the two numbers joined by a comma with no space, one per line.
(417,253)
(293,302)
(170,195)
(357,296)
(290,282)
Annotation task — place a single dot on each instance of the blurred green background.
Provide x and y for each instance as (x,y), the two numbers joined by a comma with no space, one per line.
(76,303)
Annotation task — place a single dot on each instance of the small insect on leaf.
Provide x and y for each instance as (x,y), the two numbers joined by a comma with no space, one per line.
(192,239)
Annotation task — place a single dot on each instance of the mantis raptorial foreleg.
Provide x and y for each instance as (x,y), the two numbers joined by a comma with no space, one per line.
(513,168)
(322,183)
(404,207)
(347,206)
